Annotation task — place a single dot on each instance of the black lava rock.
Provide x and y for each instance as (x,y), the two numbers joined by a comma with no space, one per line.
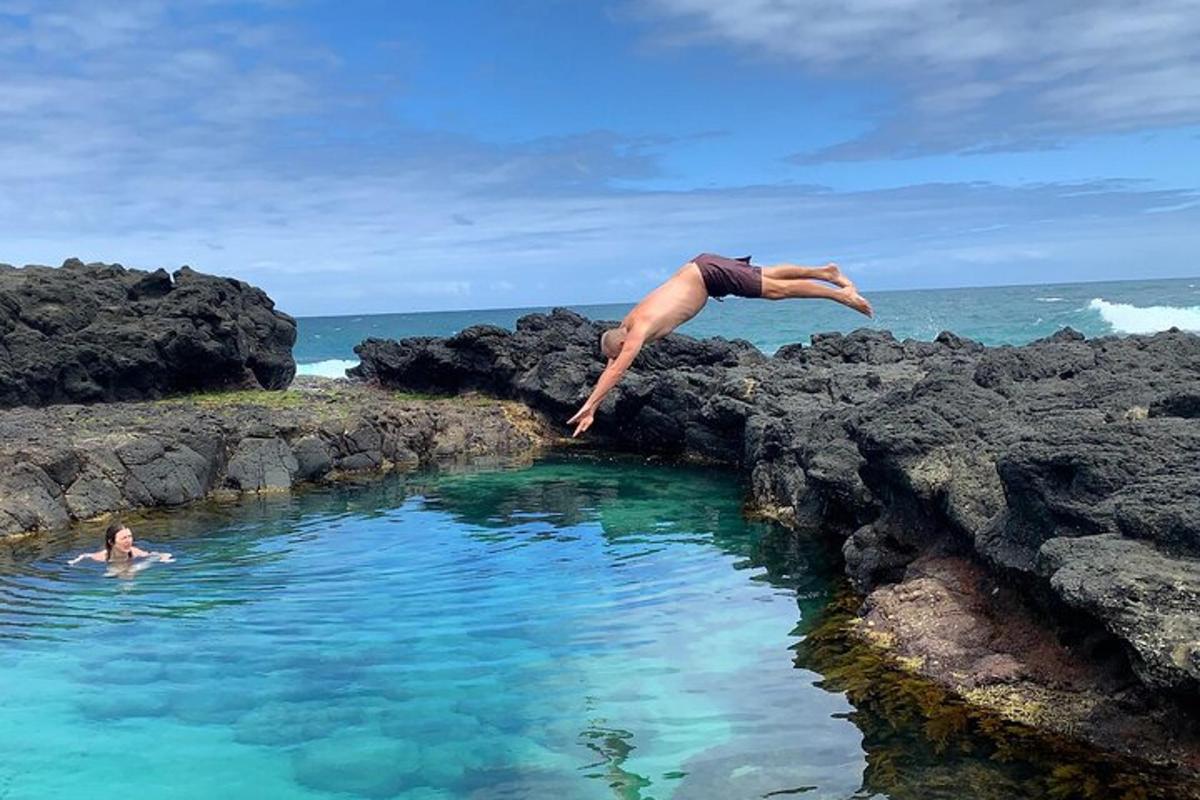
(84,333)
(1068,466)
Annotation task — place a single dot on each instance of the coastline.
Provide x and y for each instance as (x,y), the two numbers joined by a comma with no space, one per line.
(993,316)
(63,464)
(1019,524)
(259,426)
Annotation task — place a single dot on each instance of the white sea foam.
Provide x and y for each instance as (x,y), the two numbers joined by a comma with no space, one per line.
(1051,299)
(1125,318)
(333,368)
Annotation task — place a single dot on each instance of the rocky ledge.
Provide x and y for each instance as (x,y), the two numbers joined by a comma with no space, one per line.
(72,462)
(1024,521)
(84,333)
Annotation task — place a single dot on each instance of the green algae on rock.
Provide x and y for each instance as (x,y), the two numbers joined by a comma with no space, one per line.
(923,740)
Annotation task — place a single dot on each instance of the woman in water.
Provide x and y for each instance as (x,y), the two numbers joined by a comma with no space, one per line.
(119,549)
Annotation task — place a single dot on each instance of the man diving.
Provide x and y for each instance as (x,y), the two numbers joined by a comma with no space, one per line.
(685,293)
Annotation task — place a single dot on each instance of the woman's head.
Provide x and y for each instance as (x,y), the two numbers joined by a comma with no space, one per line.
(118,538)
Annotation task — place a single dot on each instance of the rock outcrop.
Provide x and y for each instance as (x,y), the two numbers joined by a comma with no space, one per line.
(1068,469)
(71,462)
(85,333)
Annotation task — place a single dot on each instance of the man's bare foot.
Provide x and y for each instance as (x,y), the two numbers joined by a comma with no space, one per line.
(833,274)
(850,298)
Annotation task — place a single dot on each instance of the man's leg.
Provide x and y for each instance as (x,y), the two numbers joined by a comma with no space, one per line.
(774,288)
(790,272)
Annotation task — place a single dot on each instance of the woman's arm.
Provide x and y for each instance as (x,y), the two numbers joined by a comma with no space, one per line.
(97,556)
(140,553)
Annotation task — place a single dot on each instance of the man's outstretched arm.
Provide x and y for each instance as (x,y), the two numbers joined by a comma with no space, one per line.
(608,379)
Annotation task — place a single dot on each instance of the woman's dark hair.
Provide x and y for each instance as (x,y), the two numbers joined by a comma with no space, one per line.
(110,538)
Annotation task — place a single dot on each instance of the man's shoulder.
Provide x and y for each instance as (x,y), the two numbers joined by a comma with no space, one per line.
(637,322)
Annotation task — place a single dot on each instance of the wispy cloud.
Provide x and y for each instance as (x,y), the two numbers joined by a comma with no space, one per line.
(390,246)
(971,74)
(158,134)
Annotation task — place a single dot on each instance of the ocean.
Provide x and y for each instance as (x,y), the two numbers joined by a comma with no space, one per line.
(992,315)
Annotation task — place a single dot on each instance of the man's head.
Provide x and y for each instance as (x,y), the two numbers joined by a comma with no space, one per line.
(611,341)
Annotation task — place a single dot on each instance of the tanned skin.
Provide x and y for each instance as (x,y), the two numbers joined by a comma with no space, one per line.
(681,298)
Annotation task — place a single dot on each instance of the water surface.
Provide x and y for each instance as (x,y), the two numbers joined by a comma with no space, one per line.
(582,629)
(574,629)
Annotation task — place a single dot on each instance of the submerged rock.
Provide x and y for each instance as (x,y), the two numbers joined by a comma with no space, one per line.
(1068,469)
(84,333)
(360,765)
(1026,724)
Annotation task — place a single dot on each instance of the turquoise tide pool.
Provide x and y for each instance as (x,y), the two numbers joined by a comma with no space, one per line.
(578,628)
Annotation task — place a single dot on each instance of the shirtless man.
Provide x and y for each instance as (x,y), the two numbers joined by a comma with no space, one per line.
(685,293)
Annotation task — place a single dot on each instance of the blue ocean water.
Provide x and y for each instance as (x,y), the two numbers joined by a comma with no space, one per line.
(548,632)
(994,315)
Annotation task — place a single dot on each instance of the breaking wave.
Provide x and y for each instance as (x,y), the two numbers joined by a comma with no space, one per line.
(333,368)
(1125,318)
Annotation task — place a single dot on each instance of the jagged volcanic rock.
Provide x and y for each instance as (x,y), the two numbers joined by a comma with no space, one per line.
(72,462)
(1069,467)
(84,333)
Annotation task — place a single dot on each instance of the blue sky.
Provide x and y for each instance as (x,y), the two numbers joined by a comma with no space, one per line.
(378,156)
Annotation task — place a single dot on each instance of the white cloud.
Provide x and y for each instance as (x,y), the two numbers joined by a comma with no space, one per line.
(974,73)
(194,143)
(452,288)
(394,246)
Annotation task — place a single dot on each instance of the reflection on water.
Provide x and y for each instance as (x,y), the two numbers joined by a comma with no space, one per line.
(574,629)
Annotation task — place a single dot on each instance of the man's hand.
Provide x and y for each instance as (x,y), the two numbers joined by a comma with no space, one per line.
(616,367)
(582,419)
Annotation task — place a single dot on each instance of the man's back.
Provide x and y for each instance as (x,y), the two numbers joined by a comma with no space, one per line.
(670,305)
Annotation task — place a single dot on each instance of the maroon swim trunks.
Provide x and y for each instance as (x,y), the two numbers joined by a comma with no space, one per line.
(724,276)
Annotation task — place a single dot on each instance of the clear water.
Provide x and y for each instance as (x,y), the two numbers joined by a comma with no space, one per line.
(575,629)
(996,315)
(569,630)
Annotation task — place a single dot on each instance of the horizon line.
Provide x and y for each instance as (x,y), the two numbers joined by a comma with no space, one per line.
(634,302)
